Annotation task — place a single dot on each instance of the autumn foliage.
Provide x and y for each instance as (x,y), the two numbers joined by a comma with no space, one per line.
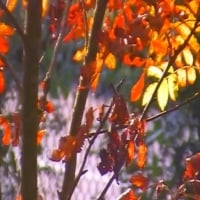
(157,38)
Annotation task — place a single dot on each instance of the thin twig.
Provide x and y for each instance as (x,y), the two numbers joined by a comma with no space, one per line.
(81,170)
(13,20)
(176,107)
(171,61)
(59,39)
(102,195)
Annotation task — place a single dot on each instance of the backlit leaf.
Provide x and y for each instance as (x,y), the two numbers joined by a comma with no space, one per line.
(139,181)
(11,4)
(6,30)
(172,86)
(6,139)
(192,166)
(2,82)
(45,7)
(110,61)
(3,45)
(137,89)
(40,135)
(79,55)
(188,57)
(154,71)
(191,75)
(181,77)
(130,152)
(142,154)
(163,94)
(148,93)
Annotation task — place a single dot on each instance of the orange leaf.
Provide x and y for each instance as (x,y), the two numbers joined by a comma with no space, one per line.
(137,89)
(56,155)
(45,7)
(40,135)
(11,4)
(49,107)
(130,152)
(3,45)
(128,195)
(140,181)
(6,133)
(136,61)
(6,30)
(2,82)
(142,153)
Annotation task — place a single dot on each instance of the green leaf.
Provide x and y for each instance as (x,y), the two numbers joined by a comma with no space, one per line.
(172,86)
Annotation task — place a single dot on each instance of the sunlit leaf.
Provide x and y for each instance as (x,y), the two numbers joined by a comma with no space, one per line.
(6,139)
(191,75)
(2,82)
(3,45)
(6,30)
(181,77)
(192,167)
(172,86)
(154,71)
(11,4)
(128,195)
(110,61)
(130,152)
(137,88)
(49,107)
(148,93)
(163,94)
(79,55)
(188,57)
(140,181)
(45,7)
(142,154)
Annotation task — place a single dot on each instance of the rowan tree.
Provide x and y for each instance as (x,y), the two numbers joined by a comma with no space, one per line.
(158,40)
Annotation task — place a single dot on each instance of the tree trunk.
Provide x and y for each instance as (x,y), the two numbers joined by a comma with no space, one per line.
(30,92)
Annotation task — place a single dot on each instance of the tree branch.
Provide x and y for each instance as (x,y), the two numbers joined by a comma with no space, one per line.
(171,61)
(81,96)
(30,91)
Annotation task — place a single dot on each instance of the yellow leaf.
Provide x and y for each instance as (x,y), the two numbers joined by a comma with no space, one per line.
(79,55)
(163,94)
(6,30)
(191,75)
(148,93)
(10,4)
(181,77)
(110,61)
(172,86)
(154,71)
(45,7)
(188,57)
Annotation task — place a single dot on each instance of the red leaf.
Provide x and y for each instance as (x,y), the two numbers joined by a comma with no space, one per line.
(137,89)
(2,82)
(135,61)
(49,107)
(192,166)
(56,155)
(3,45)
(6,139)
(140,181)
